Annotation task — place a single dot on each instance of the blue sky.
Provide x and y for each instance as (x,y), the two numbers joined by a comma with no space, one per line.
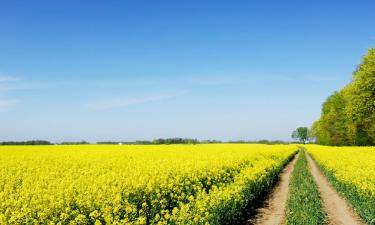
(130,70)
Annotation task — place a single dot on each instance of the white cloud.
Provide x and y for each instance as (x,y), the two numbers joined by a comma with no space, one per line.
(129,101)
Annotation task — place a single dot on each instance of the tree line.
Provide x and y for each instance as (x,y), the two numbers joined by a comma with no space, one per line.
(348,115)
(159,141)
(166,141)
(31,142)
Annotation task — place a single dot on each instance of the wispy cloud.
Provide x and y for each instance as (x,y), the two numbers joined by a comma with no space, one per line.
(257,78)
(11,83)
(133,100)
(6,82)
(6,104)
(209,80)
(239,79)
(320,78)
(5,78)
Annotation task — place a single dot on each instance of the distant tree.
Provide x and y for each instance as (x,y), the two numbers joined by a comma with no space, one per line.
(263,141)
(210,141)
(31,142)
(168,141)
(143,142)
(302,134)
(83,142)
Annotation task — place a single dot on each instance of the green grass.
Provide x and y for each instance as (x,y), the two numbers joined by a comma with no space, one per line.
(304,206)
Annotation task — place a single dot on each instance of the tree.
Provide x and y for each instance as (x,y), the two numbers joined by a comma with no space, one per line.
(302,134)
(348,115)
(31,142)
(361,102)
(332,127)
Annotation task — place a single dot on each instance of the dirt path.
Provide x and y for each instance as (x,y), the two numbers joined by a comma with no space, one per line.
(337,209)
(273,212)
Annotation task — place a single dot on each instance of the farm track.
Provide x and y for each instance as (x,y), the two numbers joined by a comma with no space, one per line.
(273,211)
(339,212)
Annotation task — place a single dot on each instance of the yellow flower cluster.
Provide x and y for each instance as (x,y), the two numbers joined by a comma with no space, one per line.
(351,170)
(350,165)
(134,184)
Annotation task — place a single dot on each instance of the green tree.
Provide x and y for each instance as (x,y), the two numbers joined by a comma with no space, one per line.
(361,102)
(348,116)
(332,126)
(302,134)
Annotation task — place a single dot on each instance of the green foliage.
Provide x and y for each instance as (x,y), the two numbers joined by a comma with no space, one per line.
(303,206)
(332,125)
(163,141)
(348,116)
(175,141)
(32,142)
(301,133)
(83,142)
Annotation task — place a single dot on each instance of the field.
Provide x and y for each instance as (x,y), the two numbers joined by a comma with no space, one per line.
(206,184)
(136,184)
(351,170)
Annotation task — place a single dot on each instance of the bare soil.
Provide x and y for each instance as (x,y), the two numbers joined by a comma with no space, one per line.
(273,211)
(339,212)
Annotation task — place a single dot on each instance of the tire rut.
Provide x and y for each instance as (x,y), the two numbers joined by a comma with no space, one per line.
(273,212)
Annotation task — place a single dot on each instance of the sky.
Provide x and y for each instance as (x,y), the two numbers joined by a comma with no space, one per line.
(136,70)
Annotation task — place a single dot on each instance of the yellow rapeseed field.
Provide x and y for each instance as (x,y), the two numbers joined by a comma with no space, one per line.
(135,184)
(352,171)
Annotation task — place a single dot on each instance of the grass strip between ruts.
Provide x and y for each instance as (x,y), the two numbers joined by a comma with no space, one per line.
(304,205)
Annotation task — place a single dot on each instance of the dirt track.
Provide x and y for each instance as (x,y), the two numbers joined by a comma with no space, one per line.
(273,213)
(337,209)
